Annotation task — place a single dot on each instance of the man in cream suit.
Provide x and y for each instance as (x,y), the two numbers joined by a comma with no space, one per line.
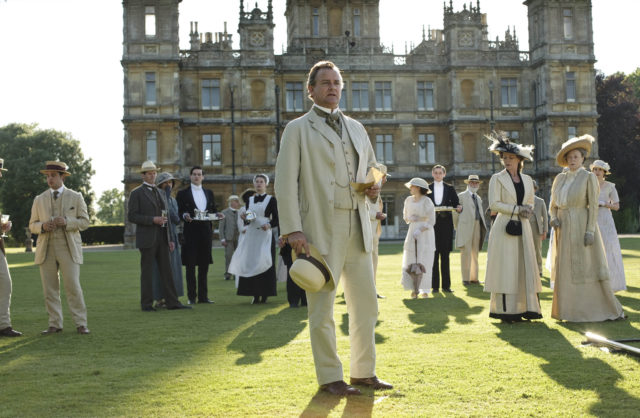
(58,215)
(321,153)
(470,229)
(539,225)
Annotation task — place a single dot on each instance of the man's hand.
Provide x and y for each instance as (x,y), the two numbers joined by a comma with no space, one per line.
(543,236)
(372,192)
(298,242)
(187,217)
(381,216)
(220,215)
(555,223)
(48,226)
(223,242)
(59,221)
(159,220)
(172,246)
(459,208)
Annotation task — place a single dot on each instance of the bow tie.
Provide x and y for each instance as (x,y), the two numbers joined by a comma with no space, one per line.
(259,198)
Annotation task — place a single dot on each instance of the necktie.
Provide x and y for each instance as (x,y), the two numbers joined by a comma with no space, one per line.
(332,119)
(475,202)
(55,194)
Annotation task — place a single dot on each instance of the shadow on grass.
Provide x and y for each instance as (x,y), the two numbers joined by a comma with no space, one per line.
(272,332)
(433,314)
(323,403)
(476,291)
(568,367)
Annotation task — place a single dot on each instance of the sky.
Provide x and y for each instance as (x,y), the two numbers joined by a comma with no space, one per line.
(60,59)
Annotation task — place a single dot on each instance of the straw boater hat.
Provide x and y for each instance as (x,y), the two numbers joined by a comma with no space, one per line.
(601,164)
(56,167)
(582,142)
(311,272)
(473,177)
(2,164)
(417,181)
(502,143)
(148,166)
(163,178)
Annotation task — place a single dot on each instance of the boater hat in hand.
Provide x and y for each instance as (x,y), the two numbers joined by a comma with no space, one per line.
(56,167)
(311,272)
(582,142)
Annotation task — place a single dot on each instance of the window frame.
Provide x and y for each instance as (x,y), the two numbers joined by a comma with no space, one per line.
(383,93)
(151,137)
(357,86)
(212,90)
(570,86)
(293,90)
(385,141)
(150,89)
(212,139)
(425,94)
(426,153)
(509,85)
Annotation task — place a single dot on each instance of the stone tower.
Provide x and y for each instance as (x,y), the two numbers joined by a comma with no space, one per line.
(562,65)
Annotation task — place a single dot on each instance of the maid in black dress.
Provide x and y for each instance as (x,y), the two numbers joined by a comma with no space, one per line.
(254,260)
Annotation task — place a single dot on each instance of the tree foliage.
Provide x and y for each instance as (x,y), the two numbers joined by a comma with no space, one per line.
(25,149)
(111,207)
(619,139)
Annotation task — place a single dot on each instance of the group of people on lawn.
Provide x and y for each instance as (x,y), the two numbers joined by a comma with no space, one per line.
(326,222)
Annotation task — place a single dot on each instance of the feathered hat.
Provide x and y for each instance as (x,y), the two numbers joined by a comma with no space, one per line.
(500,142)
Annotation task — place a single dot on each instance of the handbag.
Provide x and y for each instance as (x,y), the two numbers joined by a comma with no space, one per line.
(514,226)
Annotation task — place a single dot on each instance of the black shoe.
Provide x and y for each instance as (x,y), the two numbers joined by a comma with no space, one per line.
(447,290)
(227,277)
(263,300)
(9,332)
(191,302)
(255,300)
(293,305)
(180,306)
(148,308)
(435,291)
(206,301)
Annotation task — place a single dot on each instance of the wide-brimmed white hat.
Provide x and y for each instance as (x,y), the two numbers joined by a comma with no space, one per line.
(500,142)
(311,271)
(148,166)
(417,181)
(582,142)
(473,177)
(601,164)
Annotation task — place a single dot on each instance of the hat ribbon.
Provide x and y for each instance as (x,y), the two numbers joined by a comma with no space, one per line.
(316,263)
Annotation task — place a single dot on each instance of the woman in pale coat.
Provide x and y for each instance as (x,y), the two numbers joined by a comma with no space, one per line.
(608,201)
(420,243)
(512,274)
(582,290)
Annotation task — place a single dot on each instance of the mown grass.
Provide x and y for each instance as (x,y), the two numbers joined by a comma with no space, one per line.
(445,356)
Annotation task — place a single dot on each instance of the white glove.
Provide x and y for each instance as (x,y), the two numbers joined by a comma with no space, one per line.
(416,233)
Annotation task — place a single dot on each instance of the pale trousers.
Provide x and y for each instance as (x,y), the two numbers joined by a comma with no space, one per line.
(537,244)
(5,293)
(374,255)
(350,263)
(59,258)
(469,256)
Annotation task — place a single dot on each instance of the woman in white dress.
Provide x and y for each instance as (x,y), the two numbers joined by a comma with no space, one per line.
(253,260)
(420,243)
(608,201)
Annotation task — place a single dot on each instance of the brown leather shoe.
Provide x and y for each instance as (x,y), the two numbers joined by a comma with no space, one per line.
(83,330)
(372,382)
(51,330)
(340,388)
(9,332)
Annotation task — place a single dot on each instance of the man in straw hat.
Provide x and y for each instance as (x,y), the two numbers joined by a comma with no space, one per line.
(5,282)
(470,229)
(539,225)
(228,230)
(323,157)
(57,216)
(146,206)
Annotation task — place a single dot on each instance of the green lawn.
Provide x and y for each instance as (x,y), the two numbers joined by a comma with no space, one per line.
(445,356)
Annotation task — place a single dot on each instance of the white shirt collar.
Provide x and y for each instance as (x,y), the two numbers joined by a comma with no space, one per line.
(60,190)
(148,184)
(196,187)
(326,109)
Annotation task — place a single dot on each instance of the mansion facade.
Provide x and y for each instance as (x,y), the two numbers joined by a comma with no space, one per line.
(224,108)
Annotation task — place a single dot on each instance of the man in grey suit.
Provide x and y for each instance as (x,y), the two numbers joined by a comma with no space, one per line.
(148,210)
(228,230)
(539,225)
(322,153)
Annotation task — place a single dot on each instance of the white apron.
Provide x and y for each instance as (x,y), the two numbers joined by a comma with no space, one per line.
(253,255)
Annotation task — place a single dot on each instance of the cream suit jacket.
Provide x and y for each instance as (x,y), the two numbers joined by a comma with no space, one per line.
(305,178)
(463,222)
(75,212)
